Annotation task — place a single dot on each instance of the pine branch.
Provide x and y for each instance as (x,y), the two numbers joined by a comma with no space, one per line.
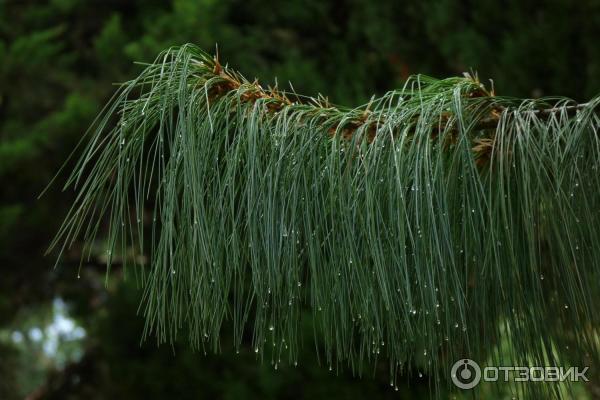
(435,222)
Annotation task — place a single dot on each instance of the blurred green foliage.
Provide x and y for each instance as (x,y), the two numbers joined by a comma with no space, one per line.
(59,60)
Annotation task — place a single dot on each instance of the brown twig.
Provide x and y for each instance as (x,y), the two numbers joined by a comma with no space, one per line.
(277,101)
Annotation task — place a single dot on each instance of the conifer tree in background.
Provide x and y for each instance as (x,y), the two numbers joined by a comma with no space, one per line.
(433,221)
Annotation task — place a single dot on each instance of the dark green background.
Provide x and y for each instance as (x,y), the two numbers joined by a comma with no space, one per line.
(58,63)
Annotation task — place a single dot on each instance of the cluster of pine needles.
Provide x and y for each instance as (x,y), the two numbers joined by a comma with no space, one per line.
(431,224)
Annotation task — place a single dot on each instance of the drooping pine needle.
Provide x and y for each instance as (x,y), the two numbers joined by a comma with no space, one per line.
(421,227)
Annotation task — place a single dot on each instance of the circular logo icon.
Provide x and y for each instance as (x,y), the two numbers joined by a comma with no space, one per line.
(465,373)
